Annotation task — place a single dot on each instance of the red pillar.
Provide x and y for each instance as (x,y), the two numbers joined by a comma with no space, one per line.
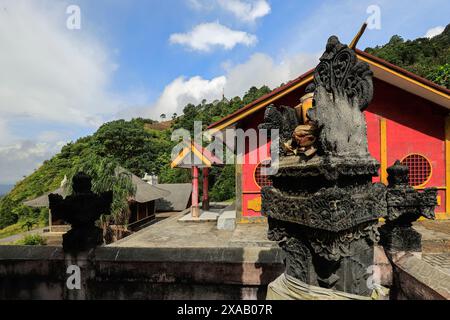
(205,200)
(195,210)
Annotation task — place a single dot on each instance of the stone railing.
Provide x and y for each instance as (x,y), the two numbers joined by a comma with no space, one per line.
(138,273)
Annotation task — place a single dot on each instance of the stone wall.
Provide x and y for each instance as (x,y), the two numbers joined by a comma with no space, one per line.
(414,279)
(134,273)
(187,273)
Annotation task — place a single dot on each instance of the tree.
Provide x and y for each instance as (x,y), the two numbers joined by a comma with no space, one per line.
(441,75)
(163,116)
(425,57)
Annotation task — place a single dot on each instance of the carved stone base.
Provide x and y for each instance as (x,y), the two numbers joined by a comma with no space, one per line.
(332,261)
(82,239)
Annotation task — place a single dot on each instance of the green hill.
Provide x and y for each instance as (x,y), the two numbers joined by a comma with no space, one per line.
(428,58)
(124,143)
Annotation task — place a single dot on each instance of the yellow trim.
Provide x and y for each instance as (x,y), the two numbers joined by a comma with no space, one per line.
(254,174)
(383,150)
(447,164)
(423,184)
(201,156)
(239,206)
(254,204)
(403,77)
(439,188)
(180,157)
(262,104)
(252,220)
(186,151)
(442,216)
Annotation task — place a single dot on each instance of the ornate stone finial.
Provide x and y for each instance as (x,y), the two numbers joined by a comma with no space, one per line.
(81,183)
(398,174)
(81,209)
(404,206)
(343,90)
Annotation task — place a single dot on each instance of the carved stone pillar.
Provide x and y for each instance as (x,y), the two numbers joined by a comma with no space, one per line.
(405,205)
(323,209)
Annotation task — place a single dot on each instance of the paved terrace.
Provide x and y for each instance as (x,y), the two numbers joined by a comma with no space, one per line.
(170,233)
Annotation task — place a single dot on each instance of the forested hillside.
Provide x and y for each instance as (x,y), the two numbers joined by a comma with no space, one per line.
(428,58)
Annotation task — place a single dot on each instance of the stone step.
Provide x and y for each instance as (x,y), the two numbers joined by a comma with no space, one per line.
(54,238)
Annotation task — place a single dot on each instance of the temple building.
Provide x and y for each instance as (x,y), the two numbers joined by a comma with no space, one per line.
(408,120)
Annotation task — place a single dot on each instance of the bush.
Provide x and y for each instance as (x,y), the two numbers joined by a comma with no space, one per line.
(32,240)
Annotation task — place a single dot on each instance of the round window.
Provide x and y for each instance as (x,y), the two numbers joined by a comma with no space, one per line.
(262,180)
(419,169)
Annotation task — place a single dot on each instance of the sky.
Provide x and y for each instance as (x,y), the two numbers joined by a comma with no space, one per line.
(66,67)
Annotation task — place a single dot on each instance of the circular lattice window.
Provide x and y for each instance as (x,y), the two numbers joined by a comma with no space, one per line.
(261,179)
(419,169)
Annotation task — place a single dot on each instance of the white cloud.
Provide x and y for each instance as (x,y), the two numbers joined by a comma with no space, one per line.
(260,69)
(49,75)
(247,11)
(433,32)
(244,10)
(48,72)
(204,37)
(201,4)
(179,93)
(23,157)
(5,135)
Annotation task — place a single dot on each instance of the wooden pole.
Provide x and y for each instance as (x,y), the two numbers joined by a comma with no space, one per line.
(358,36)
(205,200)
(195,210)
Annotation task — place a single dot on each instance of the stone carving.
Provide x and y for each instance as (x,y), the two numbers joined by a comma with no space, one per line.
(81,209)
(323,208)
(405,205)
(343,89)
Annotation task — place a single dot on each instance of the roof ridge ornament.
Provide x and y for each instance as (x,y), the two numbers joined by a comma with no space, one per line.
(343,89)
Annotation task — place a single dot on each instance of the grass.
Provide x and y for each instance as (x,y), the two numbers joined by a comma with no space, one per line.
(32,240)
(16,229)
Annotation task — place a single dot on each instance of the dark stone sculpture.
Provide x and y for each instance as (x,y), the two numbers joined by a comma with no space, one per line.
(324,210)
(405,205)
(81,209)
